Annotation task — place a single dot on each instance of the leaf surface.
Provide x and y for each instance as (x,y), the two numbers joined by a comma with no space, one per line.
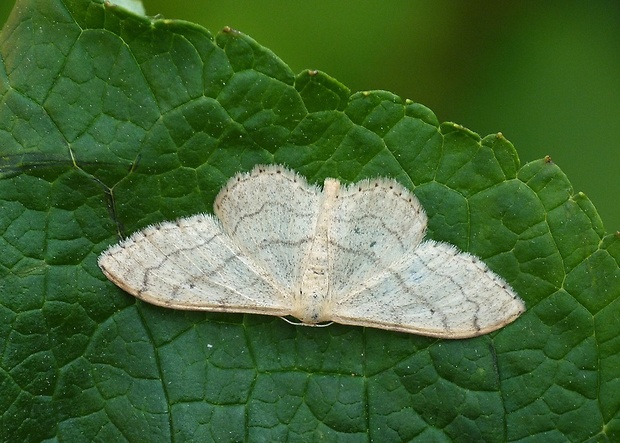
(110,122)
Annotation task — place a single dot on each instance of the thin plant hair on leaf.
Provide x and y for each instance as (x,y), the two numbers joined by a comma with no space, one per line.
(278,245)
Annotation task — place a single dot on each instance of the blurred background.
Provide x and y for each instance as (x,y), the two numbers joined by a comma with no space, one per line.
(545,74)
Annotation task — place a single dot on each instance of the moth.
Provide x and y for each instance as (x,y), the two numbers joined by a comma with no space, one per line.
(352,254)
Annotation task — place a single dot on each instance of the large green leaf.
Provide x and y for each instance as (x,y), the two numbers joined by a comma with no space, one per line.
(110,121)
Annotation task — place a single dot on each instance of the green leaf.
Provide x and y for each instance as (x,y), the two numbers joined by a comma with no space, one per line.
(110,121)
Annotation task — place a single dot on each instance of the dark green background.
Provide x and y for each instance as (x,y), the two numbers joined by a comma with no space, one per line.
(545,74)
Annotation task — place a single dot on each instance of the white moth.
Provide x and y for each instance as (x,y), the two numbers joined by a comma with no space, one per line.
(348,254)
